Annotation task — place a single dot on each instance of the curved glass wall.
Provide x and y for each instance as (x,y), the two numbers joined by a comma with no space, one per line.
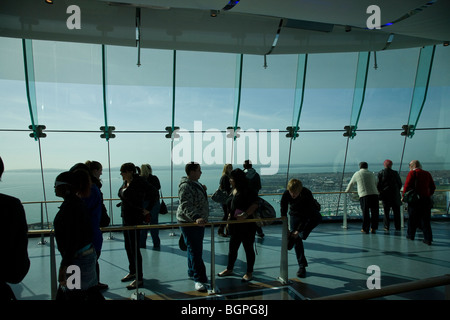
(82,87)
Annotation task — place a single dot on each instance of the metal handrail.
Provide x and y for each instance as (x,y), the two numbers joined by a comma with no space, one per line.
(395,289)
(283,278)
(358,295)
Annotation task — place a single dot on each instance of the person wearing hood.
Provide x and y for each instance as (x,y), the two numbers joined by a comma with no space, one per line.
(254,183)
(193,208)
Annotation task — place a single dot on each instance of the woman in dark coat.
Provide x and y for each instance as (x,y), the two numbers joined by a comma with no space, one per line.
(241,205)
(135,193)
(73,234)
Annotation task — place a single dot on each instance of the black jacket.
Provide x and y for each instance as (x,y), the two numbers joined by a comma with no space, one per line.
(303,206)
(73,229)
(389,185)
(16,263)
(139,195)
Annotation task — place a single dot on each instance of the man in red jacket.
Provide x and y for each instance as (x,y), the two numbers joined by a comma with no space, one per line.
(420,211)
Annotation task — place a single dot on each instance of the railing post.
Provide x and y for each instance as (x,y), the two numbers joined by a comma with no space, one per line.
(111,216)
(284,253)
(402,216)
(53,271)
(42,225)
(344,216)
(213,262)
(137,295)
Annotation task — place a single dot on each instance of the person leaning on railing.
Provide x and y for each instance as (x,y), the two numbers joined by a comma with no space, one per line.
(194,208)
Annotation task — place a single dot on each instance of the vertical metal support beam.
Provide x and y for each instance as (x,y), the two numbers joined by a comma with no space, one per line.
(421,84)
(238,85)
(358,93)
(28,63)
(302,62)
(172,135)
(174,73)
(107,130)
(37,133)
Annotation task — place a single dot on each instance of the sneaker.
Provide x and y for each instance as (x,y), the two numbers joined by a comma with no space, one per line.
(200,287)
(128,277)
(135,284)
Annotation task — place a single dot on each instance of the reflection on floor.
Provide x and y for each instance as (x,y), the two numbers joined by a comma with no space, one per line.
(338,260)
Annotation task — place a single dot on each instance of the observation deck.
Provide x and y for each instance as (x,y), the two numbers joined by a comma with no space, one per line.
(338,260)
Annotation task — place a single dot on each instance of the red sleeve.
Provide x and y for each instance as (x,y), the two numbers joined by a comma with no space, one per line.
(409,182)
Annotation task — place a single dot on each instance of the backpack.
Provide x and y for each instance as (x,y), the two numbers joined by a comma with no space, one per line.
(265,210)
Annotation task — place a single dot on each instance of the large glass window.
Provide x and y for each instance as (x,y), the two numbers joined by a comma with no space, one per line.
(141,101)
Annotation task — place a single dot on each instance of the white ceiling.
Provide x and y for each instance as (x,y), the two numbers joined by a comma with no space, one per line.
(250,27)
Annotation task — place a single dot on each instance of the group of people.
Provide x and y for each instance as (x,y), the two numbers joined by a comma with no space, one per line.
(242,203)
(386,186)
(193,209)
(82,213)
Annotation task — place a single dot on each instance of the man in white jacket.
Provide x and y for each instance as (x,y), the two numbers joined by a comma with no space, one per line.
(368,197)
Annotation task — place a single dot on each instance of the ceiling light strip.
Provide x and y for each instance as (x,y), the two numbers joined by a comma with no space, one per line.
(230,5)
(275,40)
(411,13)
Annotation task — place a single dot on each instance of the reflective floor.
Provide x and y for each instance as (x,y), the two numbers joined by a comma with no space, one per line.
(338,260)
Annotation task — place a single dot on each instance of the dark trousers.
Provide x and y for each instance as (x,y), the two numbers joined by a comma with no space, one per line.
(193,237)
(420,217)
(242,234)
(396,211)
(304,228)
(371,212)
(132,248)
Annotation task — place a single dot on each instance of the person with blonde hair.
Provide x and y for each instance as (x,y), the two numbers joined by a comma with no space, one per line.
(304,216)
